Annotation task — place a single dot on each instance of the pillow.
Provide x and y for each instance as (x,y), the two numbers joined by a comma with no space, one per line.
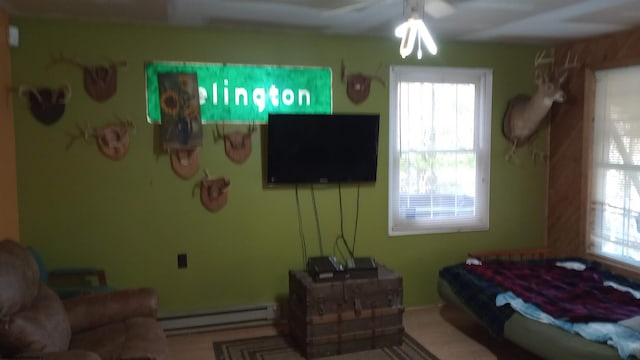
(473,261)
(42,327)
(19,278)
(572,265)
(633,323)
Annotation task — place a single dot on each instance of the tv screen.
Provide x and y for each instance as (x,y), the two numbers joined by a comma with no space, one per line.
(322,148)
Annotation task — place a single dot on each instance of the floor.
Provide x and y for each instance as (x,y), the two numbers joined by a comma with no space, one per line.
(446,331)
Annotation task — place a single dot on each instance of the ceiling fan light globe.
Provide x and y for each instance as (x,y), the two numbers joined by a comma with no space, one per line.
(401,29)
(408,40)
(425,35)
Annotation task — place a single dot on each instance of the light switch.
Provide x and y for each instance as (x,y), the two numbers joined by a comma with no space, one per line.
(14,36)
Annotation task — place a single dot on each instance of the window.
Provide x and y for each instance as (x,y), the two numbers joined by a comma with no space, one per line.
(439,149)
(615,182)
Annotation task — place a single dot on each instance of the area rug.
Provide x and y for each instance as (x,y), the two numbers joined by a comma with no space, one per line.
(281,348)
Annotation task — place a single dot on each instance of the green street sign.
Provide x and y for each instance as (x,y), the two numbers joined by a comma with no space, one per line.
(246,93)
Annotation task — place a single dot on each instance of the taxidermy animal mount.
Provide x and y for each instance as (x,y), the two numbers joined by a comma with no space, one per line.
(358,84)
(525,113)
(112,138)
(185,162)
(100,81)
(47,104)
(214,192)
(237,144)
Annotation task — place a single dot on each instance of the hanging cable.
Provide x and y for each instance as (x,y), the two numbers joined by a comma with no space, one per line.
(341,236)
(301,231)
(355,229)
(337,250)
(315,211)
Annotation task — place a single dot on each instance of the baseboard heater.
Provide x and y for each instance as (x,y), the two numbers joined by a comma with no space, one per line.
(216,318)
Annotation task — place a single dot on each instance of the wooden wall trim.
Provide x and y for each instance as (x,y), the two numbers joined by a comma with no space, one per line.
(570,138)
(587,140)
(617,63)
(9,226)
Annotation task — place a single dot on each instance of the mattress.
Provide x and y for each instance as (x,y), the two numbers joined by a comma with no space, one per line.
(549,342)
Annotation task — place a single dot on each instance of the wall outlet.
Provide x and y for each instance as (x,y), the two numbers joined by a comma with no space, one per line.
(182,261)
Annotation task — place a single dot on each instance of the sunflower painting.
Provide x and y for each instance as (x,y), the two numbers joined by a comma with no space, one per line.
(181,125)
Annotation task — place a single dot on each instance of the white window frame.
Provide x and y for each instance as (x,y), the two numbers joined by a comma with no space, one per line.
(613,228)
(483,79)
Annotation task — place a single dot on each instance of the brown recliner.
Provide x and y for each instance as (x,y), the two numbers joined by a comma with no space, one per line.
(35,323)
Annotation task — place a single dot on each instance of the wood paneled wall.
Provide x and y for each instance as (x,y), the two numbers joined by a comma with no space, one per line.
(9,226)
(570,137)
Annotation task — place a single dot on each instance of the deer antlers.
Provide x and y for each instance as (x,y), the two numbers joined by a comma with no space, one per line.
(237,145)
(358,84)
(61,58)
(100,81)
(542,59)
(345,74)
(220,135)
(568,64)
(24,91)
(112,138)
(560,74)
(87,132)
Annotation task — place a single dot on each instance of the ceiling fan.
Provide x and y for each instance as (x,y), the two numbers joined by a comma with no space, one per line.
(439,8)
(434,8)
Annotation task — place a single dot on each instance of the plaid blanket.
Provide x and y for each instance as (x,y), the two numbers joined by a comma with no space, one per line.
(570,295)
(479,296)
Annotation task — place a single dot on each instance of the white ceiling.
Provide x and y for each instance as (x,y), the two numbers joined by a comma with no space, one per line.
(539,21)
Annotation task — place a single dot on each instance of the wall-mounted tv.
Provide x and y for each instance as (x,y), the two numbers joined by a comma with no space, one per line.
(322,148)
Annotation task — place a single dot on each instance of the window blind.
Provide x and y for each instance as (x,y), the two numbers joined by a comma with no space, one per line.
(615,201)
(439,150)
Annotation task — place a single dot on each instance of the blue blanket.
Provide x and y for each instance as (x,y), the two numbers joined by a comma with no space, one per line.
(622,337)
(494,305)
(564,293)
(479,296)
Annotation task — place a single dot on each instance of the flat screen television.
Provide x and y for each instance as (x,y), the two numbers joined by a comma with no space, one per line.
(322,148)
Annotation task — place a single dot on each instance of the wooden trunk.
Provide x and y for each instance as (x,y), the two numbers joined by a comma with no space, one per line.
(334,317)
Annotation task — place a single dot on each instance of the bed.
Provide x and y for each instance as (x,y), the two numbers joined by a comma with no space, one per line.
(549,306)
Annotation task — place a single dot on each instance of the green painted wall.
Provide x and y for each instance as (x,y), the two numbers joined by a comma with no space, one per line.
(133,216)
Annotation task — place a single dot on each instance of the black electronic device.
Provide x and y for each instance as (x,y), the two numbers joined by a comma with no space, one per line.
(325,268)
(362,268)
(322,148)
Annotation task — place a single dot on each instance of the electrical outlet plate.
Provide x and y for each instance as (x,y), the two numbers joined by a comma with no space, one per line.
(182,261)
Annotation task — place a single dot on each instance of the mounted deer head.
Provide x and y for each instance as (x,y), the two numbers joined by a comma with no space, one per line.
(47,104)
(214,192)
(100,81)
(358,84)
(525,113)
(185,162)
(237,144)
(112,138)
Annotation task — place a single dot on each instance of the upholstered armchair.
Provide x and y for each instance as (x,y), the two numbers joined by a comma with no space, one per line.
(36,324)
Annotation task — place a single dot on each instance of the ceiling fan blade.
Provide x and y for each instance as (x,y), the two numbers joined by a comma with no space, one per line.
(351,7)
(358,5)
(438,8)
